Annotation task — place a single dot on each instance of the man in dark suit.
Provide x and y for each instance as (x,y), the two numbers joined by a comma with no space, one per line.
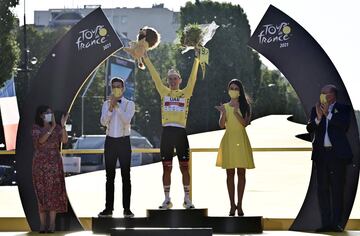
(328,124)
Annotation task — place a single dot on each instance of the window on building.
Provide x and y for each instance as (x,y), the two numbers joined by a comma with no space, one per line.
(116,20)
(123,19)
(176,18)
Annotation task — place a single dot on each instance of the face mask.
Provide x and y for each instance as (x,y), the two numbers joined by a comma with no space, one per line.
(323,98)
(48,117)
(234,93)
(117,92)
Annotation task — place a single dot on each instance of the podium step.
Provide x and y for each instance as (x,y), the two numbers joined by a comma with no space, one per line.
(176,219)
(105,225)
(161,232)
(235,225)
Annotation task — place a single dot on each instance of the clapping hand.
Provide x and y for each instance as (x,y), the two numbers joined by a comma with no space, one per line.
(113,102)
(321,109)
(53,122)
(221,108)
(319,112)
(64,118)
(324,108)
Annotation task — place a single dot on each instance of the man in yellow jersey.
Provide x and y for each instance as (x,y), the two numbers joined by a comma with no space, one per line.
(174,111)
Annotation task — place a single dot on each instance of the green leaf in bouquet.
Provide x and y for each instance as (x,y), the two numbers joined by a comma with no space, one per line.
(191,36)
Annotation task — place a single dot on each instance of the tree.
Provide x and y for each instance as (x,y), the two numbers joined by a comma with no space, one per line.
(91,106)
(276,96)
(47,38)
(230,57)
(9,50)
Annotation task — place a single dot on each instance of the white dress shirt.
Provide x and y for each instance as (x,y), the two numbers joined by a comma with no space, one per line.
(327,142)
(118,121)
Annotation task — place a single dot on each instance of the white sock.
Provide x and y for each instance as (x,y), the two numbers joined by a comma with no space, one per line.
(167,192)
(187,193)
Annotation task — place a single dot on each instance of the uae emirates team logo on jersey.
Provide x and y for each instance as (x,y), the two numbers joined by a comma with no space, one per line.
(174,104)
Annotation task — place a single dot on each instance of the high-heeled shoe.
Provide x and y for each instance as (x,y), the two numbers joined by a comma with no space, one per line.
(42,230)
(240,212)
(51,230)
(232,211)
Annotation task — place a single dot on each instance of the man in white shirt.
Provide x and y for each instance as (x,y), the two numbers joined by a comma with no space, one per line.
(116,115)
(328,124)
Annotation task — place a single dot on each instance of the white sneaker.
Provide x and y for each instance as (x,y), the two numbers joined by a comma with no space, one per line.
(188,204)
(167,204)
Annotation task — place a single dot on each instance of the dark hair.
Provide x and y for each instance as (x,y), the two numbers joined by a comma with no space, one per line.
(117,79)
(243,103)
(39,111)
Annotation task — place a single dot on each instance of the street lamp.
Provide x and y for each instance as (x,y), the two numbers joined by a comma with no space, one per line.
(25,65)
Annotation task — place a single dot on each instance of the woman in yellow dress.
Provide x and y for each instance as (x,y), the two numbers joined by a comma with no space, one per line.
(235,149)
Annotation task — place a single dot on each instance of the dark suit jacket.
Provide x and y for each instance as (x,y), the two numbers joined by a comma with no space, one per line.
(337,128)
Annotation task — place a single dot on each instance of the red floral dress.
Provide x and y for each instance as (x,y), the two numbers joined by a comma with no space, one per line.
(47,171)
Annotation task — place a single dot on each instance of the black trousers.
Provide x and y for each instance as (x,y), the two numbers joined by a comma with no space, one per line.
(331,180)
(117,149)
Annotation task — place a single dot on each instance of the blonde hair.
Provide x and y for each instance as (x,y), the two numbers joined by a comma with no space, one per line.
(173,71)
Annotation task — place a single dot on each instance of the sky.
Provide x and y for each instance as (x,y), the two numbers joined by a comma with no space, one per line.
(333,24)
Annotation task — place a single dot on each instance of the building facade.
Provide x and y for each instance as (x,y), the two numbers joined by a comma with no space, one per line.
(126,21)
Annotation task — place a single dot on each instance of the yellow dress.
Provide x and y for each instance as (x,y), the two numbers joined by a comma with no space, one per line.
(235,149)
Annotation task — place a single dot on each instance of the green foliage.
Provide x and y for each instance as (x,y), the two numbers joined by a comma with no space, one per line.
(276,96)
(147,100)
(88,109)
(9,50)
(47,38)
(191,35)
(229,58)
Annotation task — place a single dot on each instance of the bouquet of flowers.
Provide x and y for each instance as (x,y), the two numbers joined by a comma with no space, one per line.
(191,36)
(147,39)
(195,36)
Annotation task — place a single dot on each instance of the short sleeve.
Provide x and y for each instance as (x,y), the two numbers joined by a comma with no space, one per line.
(36,132)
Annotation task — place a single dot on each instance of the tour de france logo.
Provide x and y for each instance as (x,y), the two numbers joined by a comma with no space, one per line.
(97,36)
(275,34)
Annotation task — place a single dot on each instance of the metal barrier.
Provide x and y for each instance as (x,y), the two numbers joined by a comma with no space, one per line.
(157,150)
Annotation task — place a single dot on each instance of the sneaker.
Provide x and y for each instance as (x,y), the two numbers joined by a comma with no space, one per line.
(167,204)
(128,214)
(105,213)
(188,205)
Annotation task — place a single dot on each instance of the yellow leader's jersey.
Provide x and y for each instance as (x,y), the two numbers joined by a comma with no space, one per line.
(174,103)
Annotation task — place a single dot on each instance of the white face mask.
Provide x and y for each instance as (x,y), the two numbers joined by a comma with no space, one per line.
(48,117)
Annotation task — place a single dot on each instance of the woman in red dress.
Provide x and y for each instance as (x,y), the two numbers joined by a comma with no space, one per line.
(47,168)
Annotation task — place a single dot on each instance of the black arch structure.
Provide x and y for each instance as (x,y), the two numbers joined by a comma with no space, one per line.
(57,83)
(307,67)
